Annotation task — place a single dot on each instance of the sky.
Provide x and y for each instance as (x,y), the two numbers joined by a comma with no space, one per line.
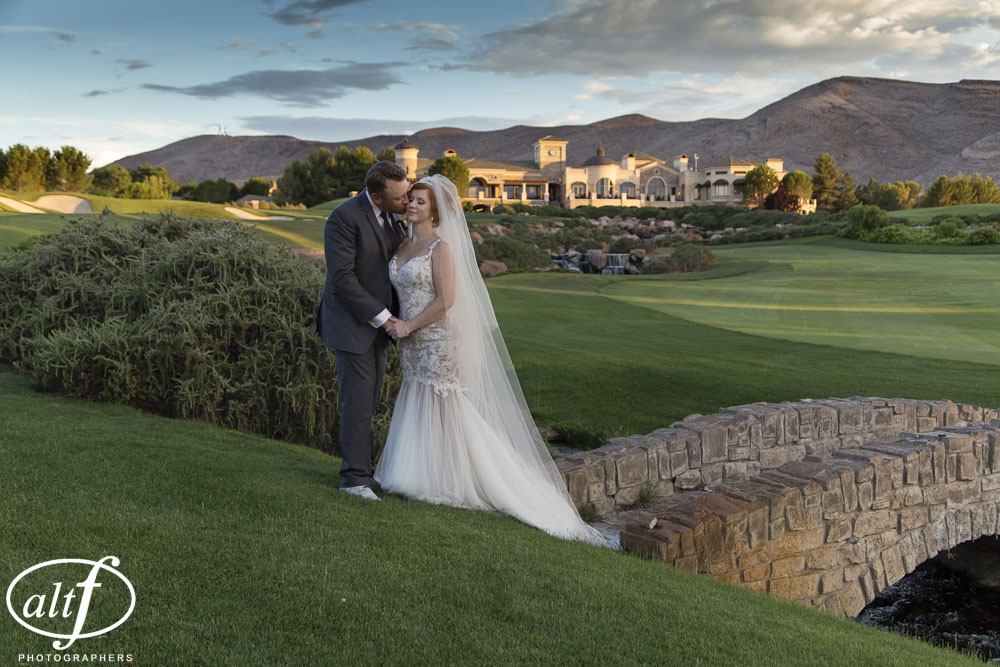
(115,78)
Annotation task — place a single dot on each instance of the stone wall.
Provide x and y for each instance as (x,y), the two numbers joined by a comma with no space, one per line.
(834,529)
(741,442)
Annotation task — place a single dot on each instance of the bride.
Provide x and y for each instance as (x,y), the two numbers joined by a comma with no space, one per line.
(461,433)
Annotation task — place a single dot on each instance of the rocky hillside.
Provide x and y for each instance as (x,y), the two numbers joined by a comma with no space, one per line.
(875,128)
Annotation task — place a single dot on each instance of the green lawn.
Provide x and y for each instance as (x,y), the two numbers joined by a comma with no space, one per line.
(925,215)
(18,227)
(942,306)
(611,355)
(242,552)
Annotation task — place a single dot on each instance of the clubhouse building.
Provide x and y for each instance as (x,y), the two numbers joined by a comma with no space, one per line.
(636,179)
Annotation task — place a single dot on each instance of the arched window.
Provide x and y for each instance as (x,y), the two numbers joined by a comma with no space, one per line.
(720,188)
(579,190)
(627,189)
(604,188)
(656,189)
(477,185)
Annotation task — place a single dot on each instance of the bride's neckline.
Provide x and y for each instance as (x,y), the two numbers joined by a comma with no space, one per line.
(429,250)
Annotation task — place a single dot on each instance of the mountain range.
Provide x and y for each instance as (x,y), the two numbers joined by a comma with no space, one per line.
(875,128)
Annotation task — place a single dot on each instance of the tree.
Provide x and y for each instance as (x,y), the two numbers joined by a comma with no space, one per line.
(110,181)
(758,183)
(216,192)
(962,190)
(307,182)
(845,192)
(454,169)
(901,195)
(256,186)
(71,169)
(149,182)
(825,181)
(782,200)
(387,154)
(25,169)
(799,184)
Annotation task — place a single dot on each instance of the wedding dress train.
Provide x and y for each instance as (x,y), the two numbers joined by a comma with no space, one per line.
(449,444)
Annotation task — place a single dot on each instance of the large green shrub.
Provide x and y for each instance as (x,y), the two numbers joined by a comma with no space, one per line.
(983,236)
(515,253)
(864,219)
(178,316)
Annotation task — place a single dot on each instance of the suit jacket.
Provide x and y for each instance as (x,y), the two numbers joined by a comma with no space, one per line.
(357,277)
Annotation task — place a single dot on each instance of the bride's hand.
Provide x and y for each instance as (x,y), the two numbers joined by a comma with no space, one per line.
(398,329)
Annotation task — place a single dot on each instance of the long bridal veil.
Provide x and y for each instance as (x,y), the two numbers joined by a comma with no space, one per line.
(485,369)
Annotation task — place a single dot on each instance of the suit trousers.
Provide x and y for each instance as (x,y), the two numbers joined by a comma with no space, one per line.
(359,384)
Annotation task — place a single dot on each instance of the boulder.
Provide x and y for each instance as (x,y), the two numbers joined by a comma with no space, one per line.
(637,254)
(632,270)
(476,237)
(597,259)
(490,268)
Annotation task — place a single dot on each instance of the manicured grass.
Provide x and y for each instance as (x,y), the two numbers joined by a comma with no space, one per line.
(18,227)
(925,215)
(944,306)
(599,354)
(326,208)
(242,552)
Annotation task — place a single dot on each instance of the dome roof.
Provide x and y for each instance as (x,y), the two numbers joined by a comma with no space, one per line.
(405,143)
(599,159)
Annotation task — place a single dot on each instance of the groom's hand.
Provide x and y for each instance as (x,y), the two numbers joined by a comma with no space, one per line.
(388,325)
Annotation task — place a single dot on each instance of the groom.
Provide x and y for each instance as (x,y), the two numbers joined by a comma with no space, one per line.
(355,310)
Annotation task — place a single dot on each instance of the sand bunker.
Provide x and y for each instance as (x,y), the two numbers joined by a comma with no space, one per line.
(246,215)
(64,204)
(57,203)
(19,205)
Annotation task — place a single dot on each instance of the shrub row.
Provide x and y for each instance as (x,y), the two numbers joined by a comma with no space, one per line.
(182,317)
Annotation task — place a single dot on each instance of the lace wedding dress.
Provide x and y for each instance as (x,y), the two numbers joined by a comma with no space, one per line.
(446,445)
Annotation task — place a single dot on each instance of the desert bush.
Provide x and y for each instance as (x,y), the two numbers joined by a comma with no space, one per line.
(983,236)
(666,265)
(864,219)
(949,228)
(514,252)
(895,233)
(692,257)
(179,316)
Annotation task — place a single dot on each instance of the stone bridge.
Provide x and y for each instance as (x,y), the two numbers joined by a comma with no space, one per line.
(820,502)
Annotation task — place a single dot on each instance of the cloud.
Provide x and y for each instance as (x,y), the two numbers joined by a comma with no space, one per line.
(344,129)
(315,34)
(238,44)
(267,52)
(96,93)
(430,44)
(61,35)
(615,37)
(307,12)
(97,52)
(135,64)
(309,88)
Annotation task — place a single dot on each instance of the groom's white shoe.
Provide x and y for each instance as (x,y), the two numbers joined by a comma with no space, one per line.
(362,491)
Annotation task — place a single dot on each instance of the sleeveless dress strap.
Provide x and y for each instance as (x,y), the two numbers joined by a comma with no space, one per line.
(430,248)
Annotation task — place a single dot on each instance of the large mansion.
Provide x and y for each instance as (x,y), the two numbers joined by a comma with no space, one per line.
(635,180)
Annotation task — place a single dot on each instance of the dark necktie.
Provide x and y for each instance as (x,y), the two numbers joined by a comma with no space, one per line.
(390,233)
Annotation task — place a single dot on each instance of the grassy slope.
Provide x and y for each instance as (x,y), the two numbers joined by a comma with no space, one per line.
(241,551)
(611,367)
(925,215)
(944,306)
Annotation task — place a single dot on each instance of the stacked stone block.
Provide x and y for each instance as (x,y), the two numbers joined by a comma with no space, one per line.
(739,443)
(833,529)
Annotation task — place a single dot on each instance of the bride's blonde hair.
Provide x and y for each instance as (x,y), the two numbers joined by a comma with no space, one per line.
(435,216)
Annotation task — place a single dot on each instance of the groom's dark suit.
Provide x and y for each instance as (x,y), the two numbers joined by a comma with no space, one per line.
(357,289)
